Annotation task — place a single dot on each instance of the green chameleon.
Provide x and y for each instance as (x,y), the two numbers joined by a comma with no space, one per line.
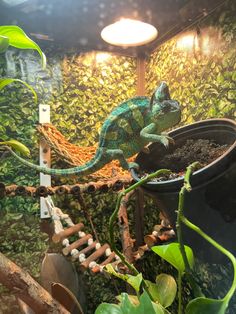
(126,131)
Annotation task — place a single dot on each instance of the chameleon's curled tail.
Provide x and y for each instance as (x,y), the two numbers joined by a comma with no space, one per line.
(91,166)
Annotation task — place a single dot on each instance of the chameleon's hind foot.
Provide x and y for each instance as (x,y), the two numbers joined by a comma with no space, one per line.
(133,165)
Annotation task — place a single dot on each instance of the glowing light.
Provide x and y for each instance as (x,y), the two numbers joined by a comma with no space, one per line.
(102,57)
(188,42)
(128,32)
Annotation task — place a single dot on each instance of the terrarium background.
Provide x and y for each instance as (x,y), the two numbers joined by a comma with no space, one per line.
(81,91)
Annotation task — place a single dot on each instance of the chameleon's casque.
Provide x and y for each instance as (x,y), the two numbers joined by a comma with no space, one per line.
(126,131)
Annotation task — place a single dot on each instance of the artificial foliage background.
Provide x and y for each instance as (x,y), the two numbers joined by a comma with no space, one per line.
(200,67)
(82,88)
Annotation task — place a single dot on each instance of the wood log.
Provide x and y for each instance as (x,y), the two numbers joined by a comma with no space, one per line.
(63,189)
(24,287)
(91,187)
(41,191)
(76,244)
(58,237)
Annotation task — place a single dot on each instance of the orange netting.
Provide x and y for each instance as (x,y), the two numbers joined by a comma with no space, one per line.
(77,155)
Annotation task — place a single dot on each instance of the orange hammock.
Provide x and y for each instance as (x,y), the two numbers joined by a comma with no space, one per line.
(77,155)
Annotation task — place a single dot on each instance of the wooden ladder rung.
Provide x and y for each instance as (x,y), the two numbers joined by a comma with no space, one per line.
(94,256)
(84,251)
(76,244)
(58,237)
(108,260)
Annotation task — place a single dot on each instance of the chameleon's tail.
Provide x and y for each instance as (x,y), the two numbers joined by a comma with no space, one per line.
(96,163)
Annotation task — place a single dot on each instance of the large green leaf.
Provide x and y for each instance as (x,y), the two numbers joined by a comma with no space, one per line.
(128,307)
(171,253)
(167,289)
(164,290)
(6,81)
(4,43)
(206,306)
(145,306)
(133,298)
(18,38)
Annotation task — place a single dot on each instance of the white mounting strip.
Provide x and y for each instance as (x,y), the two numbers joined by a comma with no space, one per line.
(44,159)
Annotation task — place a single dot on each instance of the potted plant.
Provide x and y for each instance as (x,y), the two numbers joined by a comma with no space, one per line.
(211,202)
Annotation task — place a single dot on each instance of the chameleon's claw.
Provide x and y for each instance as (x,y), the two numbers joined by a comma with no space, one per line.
(146,150)
(171,140)
(166,140)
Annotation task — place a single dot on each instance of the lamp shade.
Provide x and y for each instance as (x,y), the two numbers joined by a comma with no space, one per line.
(128,32)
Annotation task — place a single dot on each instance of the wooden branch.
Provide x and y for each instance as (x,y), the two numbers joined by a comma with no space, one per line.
(141,251)
(23,286)
(127,242)
(115,184)
(160,235)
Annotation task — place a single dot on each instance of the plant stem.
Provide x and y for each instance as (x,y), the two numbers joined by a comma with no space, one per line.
(221,249)
(179,292)
(115,215)
(180,214)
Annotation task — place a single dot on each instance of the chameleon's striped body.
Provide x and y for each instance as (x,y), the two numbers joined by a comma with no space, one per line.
(126,131)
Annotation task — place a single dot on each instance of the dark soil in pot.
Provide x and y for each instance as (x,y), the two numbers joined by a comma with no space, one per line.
(204,151)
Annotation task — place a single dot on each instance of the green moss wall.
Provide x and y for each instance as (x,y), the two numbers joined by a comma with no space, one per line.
(81,89)
(200,67)
(92,85)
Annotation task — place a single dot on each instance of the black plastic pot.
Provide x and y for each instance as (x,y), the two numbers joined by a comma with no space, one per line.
(211,204)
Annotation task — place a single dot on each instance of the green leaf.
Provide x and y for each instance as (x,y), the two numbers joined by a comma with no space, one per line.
(153,290)
(4,43)
(18,38)
(126,306)
(6,81)
(145,305)
(133,299)
(135,281)
(14,216)
(109,268)
(164,291)
(171,253)
(17,146)
(106,308)
(206,306)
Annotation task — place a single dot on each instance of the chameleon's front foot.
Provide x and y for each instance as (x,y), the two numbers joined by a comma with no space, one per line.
(133,165)
(166,140)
